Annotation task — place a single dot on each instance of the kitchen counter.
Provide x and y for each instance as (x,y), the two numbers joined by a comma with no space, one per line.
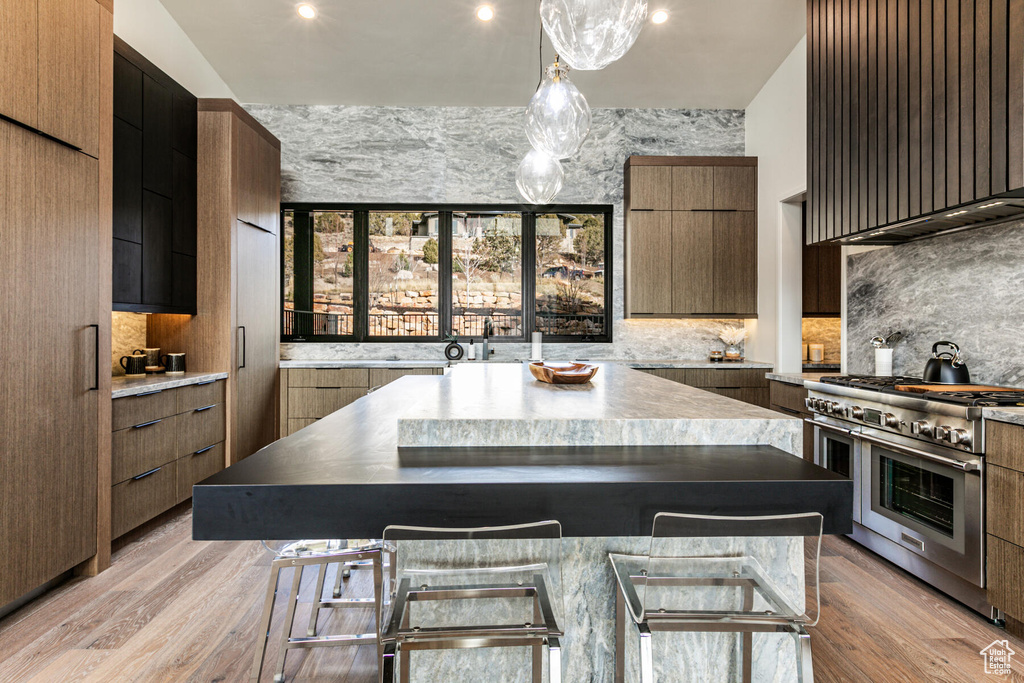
(688,364)
(1004,414)
(827,367)
(702,364)
(387,364)
(501,404)
(345,477)
(124,386)
(797,378)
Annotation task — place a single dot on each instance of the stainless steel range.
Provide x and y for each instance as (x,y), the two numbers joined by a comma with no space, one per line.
(915,454)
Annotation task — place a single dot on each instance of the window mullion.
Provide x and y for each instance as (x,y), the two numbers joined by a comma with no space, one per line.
(444,272)
(360,274)
(529,270)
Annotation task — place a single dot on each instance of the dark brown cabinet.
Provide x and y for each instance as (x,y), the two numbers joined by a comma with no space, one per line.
(914,107)
(743,384)
(155,188)
(691,237)
(822,280)
(1005,521)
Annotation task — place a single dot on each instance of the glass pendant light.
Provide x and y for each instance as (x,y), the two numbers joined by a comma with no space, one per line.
(558,116)
(591,34)
(539,177)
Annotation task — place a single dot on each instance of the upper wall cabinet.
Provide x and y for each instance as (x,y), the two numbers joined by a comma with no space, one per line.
(691,237)
(50,80)
(914,107)
(155,124)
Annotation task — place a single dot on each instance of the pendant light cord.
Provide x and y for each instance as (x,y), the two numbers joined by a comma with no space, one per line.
(540,52)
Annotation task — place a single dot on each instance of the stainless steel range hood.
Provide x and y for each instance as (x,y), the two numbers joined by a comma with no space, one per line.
(983,213)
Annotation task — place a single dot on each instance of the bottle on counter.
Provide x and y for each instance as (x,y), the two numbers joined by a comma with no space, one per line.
(471,351)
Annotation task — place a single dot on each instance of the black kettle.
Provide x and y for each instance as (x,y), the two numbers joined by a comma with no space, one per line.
(946,367)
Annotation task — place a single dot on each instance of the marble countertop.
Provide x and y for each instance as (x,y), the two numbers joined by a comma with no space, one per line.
(501,404)
(126,386)
(796,377)
(646,364)
(690,364)
(391,364)
(1004,414)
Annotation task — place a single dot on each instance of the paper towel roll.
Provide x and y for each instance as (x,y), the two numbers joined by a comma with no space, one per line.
(535,346)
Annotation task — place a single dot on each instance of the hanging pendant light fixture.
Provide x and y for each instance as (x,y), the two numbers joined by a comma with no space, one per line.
(539,177)
(558,116)
(591,34)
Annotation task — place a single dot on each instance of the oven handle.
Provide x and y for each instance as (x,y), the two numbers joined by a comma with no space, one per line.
(825,425)
(962,465)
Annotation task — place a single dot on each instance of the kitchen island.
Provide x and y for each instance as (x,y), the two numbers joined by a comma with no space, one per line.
(660,446)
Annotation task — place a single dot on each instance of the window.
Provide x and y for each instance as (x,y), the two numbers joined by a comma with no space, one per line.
(422,273)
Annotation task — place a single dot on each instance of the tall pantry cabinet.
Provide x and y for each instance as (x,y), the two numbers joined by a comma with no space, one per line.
(237,323)
(55,209)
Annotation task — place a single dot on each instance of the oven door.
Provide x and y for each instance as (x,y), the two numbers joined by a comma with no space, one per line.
(929,502)
(838,450)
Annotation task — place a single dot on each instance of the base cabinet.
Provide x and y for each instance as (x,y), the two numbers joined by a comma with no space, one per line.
(163,442)
(743,384)
(309,394)
(1004,462)
(789,399)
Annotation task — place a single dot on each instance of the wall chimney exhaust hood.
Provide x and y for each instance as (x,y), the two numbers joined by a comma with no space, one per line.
(978,214)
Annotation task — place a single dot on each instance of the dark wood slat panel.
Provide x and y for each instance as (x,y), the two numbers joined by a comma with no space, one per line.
(939,103)
(952,52)
(914,106)
(892,120)
(982,98)
(997,96)
(873,108)
(811,206)
(819,96)
(830,121)
(926,115)
(843,226)
(1015,92)
(967,85)
(883,114)
(863,219)
(903,87)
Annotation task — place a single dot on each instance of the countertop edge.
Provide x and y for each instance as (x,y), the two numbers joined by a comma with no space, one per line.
(638,364)
(124,387)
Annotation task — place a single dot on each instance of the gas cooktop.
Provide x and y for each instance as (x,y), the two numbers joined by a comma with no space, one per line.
(968,395)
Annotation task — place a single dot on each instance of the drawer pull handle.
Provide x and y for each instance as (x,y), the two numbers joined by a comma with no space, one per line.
(146,474)
(209,381)
(203,450)
(146,424)
(149,393)
(199,410)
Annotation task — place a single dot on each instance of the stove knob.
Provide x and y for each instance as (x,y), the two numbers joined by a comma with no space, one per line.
(856,412)
(960,437)
(941,433)
(809,403)
(921,427)
(891,421)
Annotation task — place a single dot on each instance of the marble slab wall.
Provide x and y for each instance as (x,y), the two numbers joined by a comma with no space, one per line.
(127,333)
(964,288)
(470,154)
(825,331)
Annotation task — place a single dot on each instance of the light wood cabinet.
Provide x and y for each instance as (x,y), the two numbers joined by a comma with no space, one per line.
(19,55)
(1004,456)
(238,273)
(309,394)
(693,251)
(164,441)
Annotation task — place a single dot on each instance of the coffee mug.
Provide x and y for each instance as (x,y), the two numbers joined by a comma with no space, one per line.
(134,365)
(174,362)
(152,356)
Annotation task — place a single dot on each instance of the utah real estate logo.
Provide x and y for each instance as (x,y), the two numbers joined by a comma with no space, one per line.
(998,658)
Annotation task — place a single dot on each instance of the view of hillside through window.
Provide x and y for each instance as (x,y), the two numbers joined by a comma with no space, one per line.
(569,283)
(402,275)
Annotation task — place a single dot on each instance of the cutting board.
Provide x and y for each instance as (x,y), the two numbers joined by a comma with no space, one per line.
(925,388)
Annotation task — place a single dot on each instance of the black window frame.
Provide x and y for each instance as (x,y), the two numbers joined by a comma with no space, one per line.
(360,268)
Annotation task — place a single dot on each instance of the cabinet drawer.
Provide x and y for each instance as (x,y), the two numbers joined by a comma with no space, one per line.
(753,395)
(200,428)
(134,410)
(329,377)
(141,448)
(789,396)
(381,376)
(1005,493)
(320,402)
(1004,445)
(135,501)
(297,423)
(199,395)
(740,377)
(1006,576)
(192,469)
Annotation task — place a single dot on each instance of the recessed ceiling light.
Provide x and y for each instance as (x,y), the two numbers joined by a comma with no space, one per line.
(659,17)
(306,11)
(484,12)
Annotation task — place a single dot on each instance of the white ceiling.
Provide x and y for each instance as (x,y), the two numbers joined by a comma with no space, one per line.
(709,54)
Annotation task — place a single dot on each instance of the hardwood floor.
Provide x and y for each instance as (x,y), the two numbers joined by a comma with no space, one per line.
(173,609)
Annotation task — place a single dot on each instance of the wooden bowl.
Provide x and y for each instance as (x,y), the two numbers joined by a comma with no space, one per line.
(563,373)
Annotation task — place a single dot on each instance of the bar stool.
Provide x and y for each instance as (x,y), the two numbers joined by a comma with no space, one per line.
(440,571)
(721,574)
(346,555)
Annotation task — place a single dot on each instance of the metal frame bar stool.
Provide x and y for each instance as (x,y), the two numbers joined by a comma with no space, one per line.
(529,569)
(722,586)
(360,555)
